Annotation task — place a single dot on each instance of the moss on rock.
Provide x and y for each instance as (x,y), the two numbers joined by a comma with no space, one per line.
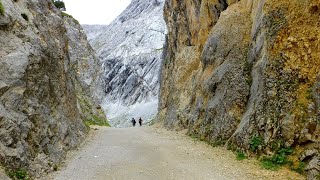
(1,8)
(91,113)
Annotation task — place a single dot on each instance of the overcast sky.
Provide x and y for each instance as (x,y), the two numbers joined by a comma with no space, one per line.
(95,11)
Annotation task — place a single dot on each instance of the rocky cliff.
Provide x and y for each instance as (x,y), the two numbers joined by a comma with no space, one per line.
(130,49)
(87,70)
(245,74)
(47,79)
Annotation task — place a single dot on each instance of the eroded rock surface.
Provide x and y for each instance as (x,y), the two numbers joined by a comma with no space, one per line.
(42,72)
(131,50)
(237,72)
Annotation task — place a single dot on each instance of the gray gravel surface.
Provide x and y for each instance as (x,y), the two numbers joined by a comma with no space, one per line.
(154,153)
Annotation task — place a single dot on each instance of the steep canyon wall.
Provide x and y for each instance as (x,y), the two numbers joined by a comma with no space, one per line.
(238,71)
(48,81)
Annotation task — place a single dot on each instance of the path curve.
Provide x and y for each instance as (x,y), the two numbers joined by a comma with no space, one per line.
(151,153)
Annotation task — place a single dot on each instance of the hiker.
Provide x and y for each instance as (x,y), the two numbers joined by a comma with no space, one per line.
(140,121)
(133,122)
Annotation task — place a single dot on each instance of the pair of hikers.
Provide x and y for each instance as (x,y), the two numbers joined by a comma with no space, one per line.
(134,122)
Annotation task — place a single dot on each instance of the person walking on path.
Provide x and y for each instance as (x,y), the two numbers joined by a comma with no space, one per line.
(133,122)
(140,121)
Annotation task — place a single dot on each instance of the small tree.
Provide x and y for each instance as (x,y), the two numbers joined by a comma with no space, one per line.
(59,4)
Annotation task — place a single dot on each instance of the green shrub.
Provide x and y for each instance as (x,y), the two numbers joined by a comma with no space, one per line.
(1,8)
(255,142)
(19,174)
(59,4)
(281,156)
(241,156)
(278,159)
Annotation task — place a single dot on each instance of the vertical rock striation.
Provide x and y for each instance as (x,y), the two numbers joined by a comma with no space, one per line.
(235,71)
(41,77)
(131,50)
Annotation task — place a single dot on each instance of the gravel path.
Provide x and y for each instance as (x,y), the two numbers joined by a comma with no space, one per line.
(151,153)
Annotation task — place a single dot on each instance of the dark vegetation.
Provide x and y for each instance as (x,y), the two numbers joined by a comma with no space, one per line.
(19,174)
(59,4)
(241,156)
(278,159)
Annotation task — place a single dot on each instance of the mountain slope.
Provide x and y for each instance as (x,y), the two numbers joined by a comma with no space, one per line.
(131,50)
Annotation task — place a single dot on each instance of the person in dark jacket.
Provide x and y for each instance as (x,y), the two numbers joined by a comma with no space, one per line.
(133,122)
(140,121)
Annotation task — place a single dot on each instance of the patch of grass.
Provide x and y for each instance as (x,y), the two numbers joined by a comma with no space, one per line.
(241,156)
(255,142)
(97,121)
(194,136)
(300,168)
(277,160)
(101,121)
(268,164)
(1,8)
(19,174)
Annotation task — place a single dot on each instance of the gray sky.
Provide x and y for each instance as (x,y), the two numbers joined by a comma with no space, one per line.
(95,11)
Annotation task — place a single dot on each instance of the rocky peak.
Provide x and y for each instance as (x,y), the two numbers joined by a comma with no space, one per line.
(130,49)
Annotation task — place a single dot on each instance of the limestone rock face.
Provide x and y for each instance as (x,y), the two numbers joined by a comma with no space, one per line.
(131,49)
(87,74)
(41,74)
(3,176)
(239,71)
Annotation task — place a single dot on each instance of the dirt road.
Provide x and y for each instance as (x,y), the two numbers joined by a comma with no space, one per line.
(151,153)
